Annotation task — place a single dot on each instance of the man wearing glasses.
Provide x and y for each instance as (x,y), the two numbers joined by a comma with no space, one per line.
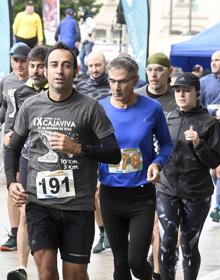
(127,192)
(158,72)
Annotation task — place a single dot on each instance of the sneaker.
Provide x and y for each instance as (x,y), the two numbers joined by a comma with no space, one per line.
(106,242)
(215,215)
(10,244)
(19,274)
(100,245)
(156,276)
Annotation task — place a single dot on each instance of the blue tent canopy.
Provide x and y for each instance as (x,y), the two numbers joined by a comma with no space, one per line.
(197,50)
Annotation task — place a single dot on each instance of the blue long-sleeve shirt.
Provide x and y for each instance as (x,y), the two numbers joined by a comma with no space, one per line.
(136,128)
(210,93)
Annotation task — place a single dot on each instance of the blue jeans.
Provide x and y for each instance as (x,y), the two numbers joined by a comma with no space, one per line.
(85,50)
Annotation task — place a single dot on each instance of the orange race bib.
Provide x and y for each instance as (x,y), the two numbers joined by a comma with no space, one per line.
(131,161)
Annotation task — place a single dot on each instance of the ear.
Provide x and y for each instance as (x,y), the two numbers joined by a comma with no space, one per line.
(45,72)
(170,70)
(136,79)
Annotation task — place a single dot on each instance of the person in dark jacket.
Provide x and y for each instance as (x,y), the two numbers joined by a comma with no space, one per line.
(185,187)
(96,85)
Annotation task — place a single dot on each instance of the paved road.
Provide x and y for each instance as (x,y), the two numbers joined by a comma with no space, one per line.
(101,267)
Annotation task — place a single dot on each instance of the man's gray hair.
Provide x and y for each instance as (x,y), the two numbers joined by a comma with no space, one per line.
(124,62)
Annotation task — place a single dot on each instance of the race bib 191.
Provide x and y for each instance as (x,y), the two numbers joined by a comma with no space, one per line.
(131,161)
(55,184)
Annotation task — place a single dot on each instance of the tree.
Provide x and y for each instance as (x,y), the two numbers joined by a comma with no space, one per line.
(88,5)
(92,6)
(18,6)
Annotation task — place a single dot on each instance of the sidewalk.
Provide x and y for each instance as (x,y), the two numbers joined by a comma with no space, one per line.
(101,266)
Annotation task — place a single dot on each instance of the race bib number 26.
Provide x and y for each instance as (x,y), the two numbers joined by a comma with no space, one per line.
(55,184)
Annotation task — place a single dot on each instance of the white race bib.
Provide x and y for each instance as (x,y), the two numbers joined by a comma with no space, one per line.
(55,184)
(213,106)
(131,161)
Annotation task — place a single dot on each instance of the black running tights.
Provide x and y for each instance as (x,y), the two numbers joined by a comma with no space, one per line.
(128,216)
(189,216)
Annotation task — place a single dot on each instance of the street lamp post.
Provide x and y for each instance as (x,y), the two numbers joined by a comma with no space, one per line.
(190,17)
(171,17)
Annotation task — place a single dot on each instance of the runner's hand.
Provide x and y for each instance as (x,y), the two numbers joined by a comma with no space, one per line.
(17,194)
(61,142)
(192,136)
(153,173)
(218,114)
(7,138)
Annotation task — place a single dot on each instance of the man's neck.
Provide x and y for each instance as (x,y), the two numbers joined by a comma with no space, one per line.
(100,81)
(39,87)
(21,78)
(124,104)
(58,96)
(159,91)
(218,76)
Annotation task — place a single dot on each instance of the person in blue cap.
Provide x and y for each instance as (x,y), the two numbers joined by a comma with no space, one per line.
(8,85)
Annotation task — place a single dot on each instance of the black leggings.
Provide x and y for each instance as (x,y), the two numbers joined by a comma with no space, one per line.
(128,216)
(190,216)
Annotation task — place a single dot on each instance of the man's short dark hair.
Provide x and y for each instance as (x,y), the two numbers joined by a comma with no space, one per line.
(69,12)
(61,46)
(197,68)
(38,53)
(30,3)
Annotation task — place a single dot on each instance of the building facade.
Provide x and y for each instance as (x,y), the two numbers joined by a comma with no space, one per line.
(171,21)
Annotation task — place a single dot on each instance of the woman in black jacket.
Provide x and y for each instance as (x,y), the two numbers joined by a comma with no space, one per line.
(185,188)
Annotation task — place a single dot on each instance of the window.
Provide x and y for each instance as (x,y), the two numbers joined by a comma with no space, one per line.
(100,35)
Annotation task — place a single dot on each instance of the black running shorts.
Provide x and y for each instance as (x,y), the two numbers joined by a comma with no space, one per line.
(72,232)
